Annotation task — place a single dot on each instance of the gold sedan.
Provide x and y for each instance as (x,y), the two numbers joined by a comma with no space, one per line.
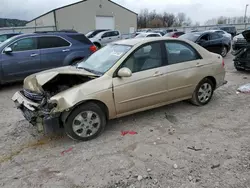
(122,78)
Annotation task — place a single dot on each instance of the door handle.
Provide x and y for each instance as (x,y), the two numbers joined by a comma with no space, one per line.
(33,55)
(157,74)
(67,50)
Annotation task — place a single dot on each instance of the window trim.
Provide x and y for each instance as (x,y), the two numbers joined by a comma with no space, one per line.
(37,42)
(180,42)
(19,40)
(163,53)
(70,44)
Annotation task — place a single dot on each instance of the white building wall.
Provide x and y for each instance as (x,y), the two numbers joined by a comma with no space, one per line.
(45,20)
(82,16)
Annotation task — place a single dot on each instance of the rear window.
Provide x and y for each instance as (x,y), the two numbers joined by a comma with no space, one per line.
(80,38)
(190,36)
(228,29)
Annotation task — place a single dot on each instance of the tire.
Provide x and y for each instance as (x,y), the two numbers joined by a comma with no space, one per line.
(224,51)
(238,68)
(197,99)
(87,129)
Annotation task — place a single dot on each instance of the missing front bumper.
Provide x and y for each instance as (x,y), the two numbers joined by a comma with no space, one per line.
(45,122)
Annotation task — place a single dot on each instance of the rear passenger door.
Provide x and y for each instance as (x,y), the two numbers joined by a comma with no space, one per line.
(115,35)
(216,42)
(53,51)
(183,69)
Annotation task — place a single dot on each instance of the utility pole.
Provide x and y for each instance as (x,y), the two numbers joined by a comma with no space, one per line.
(245,17)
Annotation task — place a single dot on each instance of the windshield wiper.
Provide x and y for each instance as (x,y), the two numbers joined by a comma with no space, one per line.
(91,71)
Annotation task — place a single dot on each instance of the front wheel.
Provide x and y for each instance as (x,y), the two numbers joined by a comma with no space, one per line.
(85,122)
(203,93)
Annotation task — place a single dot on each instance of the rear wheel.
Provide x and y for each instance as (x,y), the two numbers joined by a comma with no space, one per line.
(224,51)
(203,92)
(85,122)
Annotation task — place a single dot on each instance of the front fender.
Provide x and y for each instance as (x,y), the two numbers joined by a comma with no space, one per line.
(73,56)
(92,90)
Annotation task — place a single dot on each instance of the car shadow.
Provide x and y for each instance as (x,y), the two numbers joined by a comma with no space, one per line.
(11,86)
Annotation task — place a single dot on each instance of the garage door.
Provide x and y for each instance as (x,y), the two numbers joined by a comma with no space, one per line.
(104,22)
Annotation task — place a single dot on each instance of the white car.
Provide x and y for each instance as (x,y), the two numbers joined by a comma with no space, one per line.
(144,35)
(105,37)
(224,33)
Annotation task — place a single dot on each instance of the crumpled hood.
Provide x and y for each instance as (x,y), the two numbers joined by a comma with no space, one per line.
(246,35)
(35,82)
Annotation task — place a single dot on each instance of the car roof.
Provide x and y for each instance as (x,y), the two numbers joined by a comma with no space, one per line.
(139,41)
(214,30)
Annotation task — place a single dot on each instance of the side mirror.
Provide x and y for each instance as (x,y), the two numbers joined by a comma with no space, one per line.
(8,50)
(124,72)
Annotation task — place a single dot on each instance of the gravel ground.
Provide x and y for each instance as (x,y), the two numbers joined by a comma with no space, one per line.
(177,146)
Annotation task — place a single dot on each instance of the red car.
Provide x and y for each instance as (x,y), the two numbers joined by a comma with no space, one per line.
(174,34)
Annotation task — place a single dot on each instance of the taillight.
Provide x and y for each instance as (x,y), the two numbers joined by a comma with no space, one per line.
(223,63)
(93,48)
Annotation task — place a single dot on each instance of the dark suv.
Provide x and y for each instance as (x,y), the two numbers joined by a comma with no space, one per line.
(26,54)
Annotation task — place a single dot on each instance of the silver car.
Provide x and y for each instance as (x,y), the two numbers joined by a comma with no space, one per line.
(105,37)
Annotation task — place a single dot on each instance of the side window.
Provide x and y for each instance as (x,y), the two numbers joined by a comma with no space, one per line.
(220,32)
(51,42)
(214,36)
(205,37)
(24,45)
(180,52)
(145,58)
(114,33)
(107,34)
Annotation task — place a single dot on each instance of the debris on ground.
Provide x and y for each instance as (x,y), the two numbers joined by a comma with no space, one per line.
(215,166)
(175,166)
(193,148)
(190,178)
(123,133)
(139,178)
(148,170)
(66,151)
(244,89)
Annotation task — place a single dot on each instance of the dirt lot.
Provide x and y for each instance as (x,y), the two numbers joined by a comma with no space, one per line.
(217,136)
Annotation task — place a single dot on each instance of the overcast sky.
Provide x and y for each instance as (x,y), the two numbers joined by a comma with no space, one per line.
(197,10)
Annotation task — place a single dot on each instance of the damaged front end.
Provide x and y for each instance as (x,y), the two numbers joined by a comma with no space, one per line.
(34,100)
(242,56)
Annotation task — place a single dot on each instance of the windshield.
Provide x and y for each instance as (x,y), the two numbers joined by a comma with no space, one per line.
(190,36)
(89,34)
(3,38)
(141,35)
(102,60)
(6,41)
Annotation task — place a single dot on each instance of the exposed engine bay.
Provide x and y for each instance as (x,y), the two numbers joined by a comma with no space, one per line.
(63,82)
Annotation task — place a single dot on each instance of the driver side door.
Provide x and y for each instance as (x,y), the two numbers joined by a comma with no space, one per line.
(22,61)
(147,87)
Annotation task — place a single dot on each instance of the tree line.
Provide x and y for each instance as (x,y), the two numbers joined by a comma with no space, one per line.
(5,22)
(153,19)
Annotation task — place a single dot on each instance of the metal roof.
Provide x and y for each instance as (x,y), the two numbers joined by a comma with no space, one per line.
(82,1)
